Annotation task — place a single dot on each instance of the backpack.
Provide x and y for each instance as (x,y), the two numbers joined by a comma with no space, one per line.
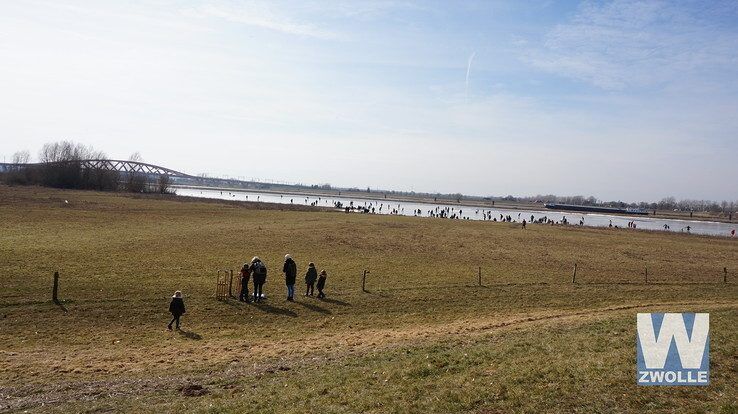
(260,269)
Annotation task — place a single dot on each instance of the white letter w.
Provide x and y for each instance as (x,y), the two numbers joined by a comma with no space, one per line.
(655,350)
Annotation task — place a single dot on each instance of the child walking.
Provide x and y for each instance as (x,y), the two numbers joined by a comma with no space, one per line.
(310,276)
(321,284)
(177,308)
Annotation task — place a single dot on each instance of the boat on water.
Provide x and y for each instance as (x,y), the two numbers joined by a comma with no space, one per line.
(596,209)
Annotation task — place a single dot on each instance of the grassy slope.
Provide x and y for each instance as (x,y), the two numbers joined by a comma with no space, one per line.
(424,339)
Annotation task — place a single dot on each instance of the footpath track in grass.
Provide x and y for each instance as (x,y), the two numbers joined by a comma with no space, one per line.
(348,345)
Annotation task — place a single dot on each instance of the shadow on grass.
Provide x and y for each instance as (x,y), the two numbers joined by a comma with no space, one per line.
(235,303)
(190,335)
(314,308)
(262,306)
(335,301)
(379,293)
(265,307)
(60,304)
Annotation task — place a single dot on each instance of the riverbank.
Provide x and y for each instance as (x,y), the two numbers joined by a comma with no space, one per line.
(468,212)
(468,201)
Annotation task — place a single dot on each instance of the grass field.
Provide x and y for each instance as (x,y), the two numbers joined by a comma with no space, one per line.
(424,338)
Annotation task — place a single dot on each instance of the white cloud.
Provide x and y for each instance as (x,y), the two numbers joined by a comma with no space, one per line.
(626,43)
(262,15)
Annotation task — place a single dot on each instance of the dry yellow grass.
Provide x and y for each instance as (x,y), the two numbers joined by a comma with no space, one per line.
(121,257)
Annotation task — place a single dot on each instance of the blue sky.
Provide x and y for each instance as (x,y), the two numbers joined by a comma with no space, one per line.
(620,100)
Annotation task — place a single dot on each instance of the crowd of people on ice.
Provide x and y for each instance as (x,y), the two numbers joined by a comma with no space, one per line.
(448,212)
(255,272)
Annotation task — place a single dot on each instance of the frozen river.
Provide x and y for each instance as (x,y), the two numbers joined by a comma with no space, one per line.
(381,206)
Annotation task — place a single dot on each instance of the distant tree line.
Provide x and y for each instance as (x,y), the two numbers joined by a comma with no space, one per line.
(668,203)
(61,165)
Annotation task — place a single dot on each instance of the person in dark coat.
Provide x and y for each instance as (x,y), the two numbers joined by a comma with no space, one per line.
(259,271)
(177,308)
(245,276)
(321,284)
(290,276)
(310,277)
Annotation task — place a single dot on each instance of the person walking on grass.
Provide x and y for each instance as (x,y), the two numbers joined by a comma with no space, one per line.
(177,308)
(290,276)
(259,275)
(245,276)
(310,277)
(321,284)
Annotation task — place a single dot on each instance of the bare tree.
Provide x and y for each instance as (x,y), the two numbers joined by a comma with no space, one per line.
(21,157)
(19,174)
(136,183)
(63,167)
(68,151)
(164,182)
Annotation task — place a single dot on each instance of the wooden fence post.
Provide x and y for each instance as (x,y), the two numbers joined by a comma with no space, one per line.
(725,275)
(230,285)
(480,275)
(646,275)
(363,280)
(217,286)
(221,285)
(55,290)
(574,278)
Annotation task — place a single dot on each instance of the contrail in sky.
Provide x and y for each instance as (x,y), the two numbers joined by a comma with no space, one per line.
(468,70)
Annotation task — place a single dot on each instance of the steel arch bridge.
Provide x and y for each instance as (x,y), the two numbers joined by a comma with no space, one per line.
(121,166)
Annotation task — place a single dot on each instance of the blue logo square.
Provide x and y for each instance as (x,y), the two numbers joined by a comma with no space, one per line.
(673,349)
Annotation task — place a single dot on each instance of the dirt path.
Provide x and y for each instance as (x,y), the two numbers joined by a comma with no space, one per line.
(270,356)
